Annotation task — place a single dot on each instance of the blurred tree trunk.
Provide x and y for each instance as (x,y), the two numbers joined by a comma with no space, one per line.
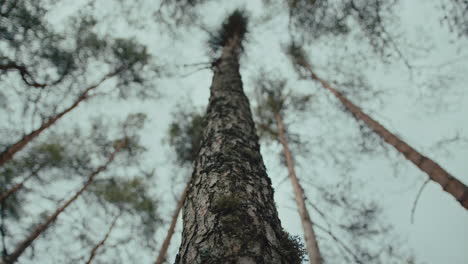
(8,153)
(19,185)
(22,246)
(2,230)
(229,214)
(435,172)
(309,235)
(101,243)
(163,251)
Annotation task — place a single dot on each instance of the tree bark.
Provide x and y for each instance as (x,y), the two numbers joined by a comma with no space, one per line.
(309,235)
(435,172)
(170,232)
(8,154)
(21,247)
(101,243)
(229,214)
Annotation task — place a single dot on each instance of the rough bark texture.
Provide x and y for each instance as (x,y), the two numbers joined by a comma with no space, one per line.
(101,243)
(435,172)
(21,247)
(163,251)
(229,215)
(8,154)
(309,235)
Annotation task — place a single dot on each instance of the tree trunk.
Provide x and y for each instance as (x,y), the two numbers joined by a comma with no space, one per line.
(19,185)
(101,243)
(8,154)
(170,232)
(309,235)
(229,214)
(2,231)
(435,172)
(21,247)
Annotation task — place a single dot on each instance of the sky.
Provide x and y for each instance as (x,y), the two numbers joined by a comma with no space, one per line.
(424,107)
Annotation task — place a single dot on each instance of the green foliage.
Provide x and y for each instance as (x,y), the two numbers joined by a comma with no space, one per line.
(293,248)
(455,16)
(46,155)
(105,142)
(298,56)
(234,25)
(133,123)
(130,196)
(50,154)
(314,20)
(68,54)
(274,99)
(24,20)
(129,52)
(132,59)
(185,134)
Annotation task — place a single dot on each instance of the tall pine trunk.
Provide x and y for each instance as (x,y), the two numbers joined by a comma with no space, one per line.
(22,246)
(309,235)
(8,153)
(229,214)
(103,241)
(170,232)
(435,172)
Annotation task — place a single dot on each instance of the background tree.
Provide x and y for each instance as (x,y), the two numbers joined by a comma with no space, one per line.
(271,109)
(32,44)
(184,137)
(359,219)
(130,197)
(435,172)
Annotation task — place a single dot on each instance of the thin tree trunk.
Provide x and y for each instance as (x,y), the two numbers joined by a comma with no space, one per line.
(101,243)
(8,154)
(435,172)
(21,247)
(19,185)
(309,235)
(2,231)
(170,232)
(229,215)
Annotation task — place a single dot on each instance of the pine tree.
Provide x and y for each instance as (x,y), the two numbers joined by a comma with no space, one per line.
(31,43)
(349,227)
(130,55)
(125,196)
(45,155)
(170,232)
(101,243)
(436,173)
(229,213)
(22,246)
(184,136)
(273,103)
